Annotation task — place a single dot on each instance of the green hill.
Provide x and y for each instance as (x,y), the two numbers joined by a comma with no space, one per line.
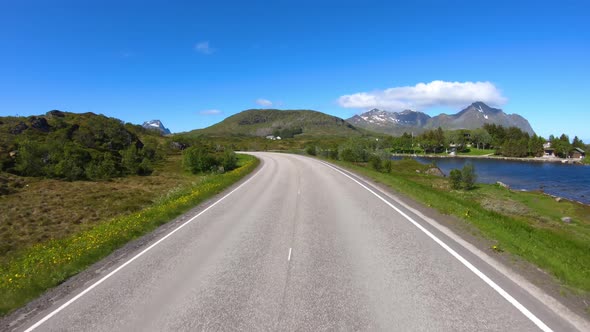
(75,146)
(283,123)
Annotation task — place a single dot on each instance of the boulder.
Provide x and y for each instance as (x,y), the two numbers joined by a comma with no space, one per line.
(558,199)
(178,146)
(503,185)
(40,123)
(566,220)
(19,128)
(435,171)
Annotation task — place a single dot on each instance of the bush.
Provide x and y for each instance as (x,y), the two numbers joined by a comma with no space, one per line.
(387,166)
(102,167)
(311,150)
(197,159)
(455,177)
(375,162)
(463,179)
(468,176)
(229,161)
(347,155)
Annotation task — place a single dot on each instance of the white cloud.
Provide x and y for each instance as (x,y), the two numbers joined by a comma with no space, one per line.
(210,112)
(264,102)
(426,95)
(204,48)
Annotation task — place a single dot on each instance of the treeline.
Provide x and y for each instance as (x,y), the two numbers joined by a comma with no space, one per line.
(508,142)
(77,147)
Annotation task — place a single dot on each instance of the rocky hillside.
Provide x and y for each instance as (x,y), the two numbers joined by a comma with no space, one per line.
(284,123)
(472,117)
(156,125)
(75,146)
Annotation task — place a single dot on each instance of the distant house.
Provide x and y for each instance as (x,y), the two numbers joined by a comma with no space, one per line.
(548,151)
(577,153)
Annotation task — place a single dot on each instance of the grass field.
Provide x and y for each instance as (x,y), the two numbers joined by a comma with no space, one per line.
(526,224)
(477,152)
(82,235)
(44,209)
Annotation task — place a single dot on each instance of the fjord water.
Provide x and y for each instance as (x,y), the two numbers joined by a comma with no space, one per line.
(563,180)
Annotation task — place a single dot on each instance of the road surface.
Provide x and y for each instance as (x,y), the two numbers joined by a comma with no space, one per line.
(301,246)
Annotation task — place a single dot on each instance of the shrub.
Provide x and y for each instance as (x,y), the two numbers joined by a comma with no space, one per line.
(387,166)
(102,167)
(347,154)
(468,176)
(455,177)
(229,161)
(463,179)
(311,150)
(197,159)
(376,163)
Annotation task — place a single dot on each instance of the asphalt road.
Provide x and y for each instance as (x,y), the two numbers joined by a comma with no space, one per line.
(302,246)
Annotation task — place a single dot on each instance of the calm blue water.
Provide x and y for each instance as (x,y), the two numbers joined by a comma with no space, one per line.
(568,181)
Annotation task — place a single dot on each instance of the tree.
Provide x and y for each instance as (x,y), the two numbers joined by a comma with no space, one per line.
(432,140)
(481,138)
(577,143)
(536,146)
(562,146)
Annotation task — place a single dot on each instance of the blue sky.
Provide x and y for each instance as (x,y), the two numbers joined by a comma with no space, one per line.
(192,63)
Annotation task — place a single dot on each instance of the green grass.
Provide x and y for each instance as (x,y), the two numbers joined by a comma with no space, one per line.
(525,224)
(28,272)
(477,152)
(32,212)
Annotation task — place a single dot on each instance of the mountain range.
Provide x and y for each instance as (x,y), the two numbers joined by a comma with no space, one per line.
(472,117)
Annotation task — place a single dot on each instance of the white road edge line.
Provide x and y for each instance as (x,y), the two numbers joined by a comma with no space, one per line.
(460,258)
(289,258)
(72,300)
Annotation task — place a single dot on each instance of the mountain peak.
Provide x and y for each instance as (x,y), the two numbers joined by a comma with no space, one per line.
(482,108)
(473,116)
(156,125)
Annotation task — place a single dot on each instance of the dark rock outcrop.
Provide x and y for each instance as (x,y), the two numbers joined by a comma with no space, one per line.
(19,128)
(40,123)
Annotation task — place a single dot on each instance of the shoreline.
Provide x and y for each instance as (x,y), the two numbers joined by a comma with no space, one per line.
(525,160)
(528,159)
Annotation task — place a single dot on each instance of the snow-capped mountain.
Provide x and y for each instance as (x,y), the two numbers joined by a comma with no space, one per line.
(390,122)
(156,125)
(472,117)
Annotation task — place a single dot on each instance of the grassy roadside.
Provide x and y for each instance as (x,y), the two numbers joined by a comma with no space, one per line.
(525,224)
(27,273)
